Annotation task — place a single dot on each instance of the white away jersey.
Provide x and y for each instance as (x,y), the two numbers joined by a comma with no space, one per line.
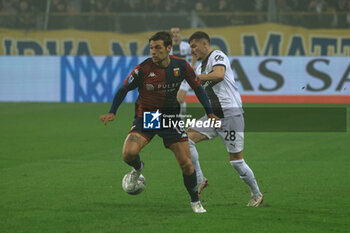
(182,50)
(224,97)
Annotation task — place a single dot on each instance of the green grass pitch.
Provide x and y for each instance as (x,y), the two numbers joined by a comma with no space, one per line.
(61,171)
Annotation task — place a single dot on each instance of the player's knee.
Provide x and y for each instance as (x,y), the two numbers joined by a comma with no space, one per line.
(191,143)
(191,135)
(181,94)
(195,137)
(186,167)
(180,99)
(236,156)
(129,153)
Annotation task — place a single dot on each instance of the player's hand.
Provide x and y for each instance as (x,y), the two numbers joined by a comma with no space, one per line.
(215,118)
(107,117)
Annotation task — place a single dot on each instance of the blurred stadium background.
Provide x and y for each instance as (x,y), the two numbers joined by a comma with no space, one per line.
(290,50)
(145,15)
(61,169)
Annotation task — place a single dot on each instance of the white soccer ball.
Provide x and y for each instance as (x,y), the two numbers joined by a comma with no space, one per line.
(131,188)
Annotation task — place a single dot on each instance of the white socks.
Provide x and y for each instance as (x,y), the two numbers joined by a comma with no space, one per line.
(246,175)
(241,167)
(183,108)
(195,161)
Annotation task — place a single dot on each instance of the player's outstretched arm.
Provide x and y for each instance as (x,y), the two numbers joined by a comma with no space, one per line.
(214,117)
(107,117)
(217,75)
(118,99)
(203,99)
(130,83)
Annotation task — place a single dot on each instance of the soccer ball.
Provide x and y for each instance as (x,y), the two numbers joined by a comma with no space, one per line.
(132,188)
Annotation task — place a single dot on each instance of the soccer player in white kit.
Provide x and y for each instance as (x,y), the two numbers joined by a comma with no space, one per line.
(181,49)
(217,78)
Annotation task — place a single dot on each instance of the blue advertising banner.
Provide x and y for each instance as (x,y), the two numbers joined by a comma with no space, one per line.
(96,79)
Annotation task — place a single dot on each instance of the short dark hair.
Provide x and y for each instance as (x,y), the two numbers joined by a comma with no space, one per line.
(198,36)
(175,27)
(164,36)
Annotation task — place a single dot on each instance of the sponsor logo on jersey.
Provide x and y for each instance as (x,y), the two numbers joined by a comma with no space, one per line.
(149,87)
(218,58)
(168,85)
(131,79)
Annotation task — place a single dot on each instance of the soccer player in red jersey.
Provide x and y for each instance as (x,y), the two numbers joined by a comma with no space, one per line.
(158,79)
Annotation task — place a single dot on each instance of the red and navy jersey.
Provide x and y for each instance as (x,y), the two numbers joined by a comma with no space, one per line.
(158,86)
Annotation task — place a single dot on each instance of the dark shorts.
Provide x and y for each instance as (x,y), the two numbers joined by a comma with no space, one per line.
(169,135)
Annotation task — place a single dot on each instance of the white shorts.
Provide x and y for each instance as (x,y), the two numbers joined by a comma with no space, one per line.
(231,133)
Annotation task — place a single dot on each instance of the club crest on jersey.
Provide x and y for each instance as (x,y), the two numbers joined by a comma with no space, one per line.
(152,74)
(176,72)
(131,78)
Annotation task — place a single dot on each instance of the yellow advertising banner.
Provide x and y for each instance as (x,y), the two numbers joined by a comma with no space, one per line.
(255,40)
